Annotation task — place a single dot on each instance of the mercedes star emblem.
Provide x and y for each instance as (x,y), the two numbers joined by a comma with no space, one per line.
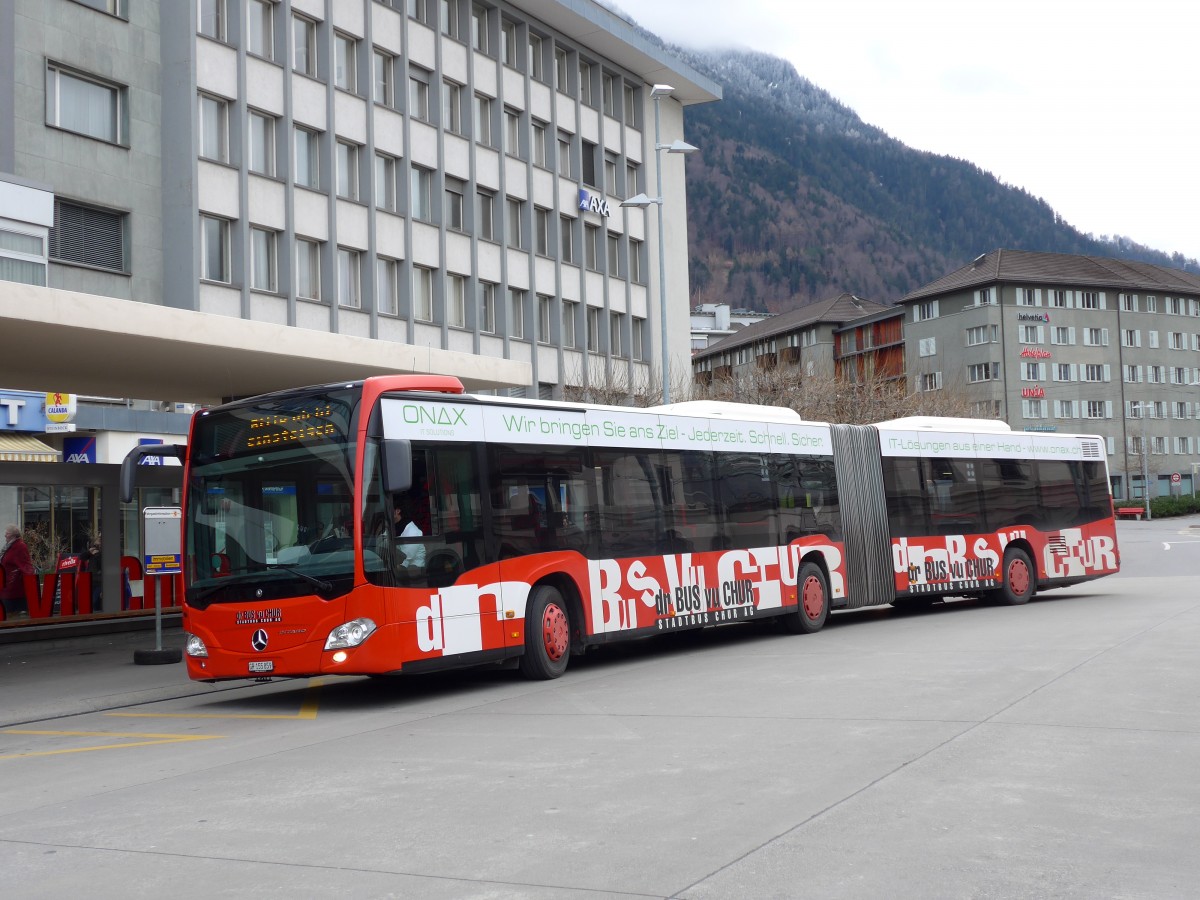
(259,640)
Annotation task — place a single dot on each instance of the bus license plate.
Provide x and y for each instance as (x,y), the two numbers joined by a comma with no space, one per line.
(262,665)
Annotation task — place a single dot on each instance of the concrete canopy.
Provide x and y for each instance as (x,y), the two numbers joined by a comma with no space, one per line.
(55,340)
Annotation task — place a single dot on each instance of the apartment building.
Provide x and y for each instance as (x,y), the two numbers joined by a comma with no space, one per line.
(1051,342)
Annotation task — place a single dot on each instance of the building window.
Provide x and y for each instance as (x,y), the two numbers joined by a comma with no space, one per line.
(487,307)
(1031,334)
(22,257)
(419,10)
(1059,299)
(349,278)
(418,93)
(570,311)
(515,215)
(262,143)
(541,230)
(923,312)
(1132,375)
(384,66)
(535,58)
(632,171)
(85,105)
(1089,300)
(567,242)
(420,194)
(632,110)
(456,301)
(982,334)
(212,19)
(422,294)
(260,24)
(214,129)
(1154,374)
(345,62)
(1129,302)
(616,334)
(88,236)
(452,107)
(385,286)
(637,347)
(930,381)
(214,249)
(508,43)
(1094,372)
(608,93)
(1062,335)
(308,269)
(449,19)
(308,159)
(516,313)
(983,372)
(614,256)
(593,329)
(485,214)
(610,174)
(585,83)
(1098,409)
(588,159)
(560,70)
(1033,409)
(483,120)
(538,140)
(637,261)
(1065,409)
(565,166)
(347,170)
(263,264)
(1032,372)
(455,212)
(591,246)
(1026,297)
(1095,337)
(480,37)
(304,45)
(512,132)
(545,314)
(385,182)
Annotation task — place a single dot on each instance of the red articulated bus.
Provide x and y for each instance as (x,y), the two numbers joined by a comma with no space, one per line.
(398,525)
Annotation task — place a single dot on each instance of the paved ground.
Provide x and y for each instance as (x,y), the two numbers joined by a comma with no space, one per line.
(971,751)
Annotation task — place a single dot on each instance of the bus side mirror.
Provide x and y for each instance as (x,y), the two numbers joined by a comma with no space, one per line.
(397,465)
(134,456)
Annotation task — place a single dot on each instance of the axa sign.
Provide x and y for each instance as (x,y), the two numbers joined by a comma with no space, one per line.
(592,203)
(79,449)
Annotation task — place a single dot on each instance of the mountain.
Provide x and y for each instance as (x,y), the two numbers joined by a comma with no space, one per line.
(795,199)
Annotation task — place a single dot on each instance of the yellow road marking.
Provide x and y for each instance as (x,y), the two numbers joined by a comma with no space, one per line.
(157,739)
(308,710)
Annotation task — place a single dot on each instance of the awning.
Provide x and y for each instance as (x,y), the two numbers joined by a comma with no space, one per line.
(25,448)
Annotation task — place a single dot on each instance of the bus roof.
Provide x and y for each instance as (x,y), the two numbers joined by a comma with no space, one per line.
(944,423)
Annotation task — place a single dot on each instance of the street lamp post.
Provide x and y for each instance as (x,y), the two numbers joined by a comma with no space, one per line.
(641,201)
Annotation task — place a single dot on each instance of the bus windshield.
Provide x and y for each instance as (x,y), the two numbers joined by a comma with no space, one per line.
(270,493)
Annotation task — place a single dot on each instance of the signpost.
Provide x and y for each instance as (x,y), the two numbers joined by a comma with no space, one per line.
(162,555)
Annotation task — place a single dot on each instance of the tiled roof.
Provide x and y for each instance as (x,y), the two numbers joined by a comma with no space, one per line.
(1024,266)
(842,308)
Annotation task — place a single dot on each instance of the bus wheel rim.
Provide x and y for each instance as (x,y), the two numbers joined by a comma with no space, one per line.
(1018,577)
(554,632)
(813,597)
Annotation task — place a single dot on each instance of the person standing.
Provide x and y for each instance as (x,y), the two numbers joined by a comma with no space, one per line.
(15,564)
(91,563)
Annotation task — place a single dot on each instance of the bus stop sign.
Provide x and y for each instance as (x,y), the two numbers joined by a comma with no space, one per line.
(163,549)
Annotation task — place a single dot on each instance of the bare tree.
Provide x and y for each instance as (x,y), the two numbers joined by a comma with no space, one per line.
(826,398)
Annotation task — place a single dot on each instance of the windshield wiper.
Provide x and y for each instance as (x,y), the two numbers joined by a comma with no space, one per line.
(324,587)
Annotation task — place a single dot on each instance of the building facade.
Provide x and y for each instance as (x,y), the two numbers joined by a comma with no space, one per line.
(1050,342)
(441,179)
(807,338)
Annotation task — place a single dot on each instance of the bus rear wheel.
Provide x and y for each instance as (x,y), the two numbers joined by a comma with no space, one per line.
(1020,578)
(547,635)
(813,608)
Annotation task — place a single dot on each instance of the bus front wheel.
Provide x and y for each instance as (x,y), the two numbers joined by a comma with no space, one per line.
(547,635)
(1020,578)
(813,608)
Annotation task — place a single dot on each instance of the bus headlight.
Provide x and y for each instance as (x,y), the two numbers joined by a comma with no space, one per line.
(350,634)
(195,646)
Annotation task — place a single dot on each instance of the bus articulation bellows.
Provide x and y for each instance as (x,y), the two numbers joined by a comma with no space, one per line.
(398,525)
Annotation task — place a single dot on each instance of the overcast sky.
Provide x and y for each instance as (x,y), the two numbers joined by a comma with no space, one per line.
(1092,105)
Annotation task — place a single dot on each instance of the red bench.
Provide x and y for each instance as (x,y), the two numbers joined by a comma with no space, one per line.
(1134,511)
